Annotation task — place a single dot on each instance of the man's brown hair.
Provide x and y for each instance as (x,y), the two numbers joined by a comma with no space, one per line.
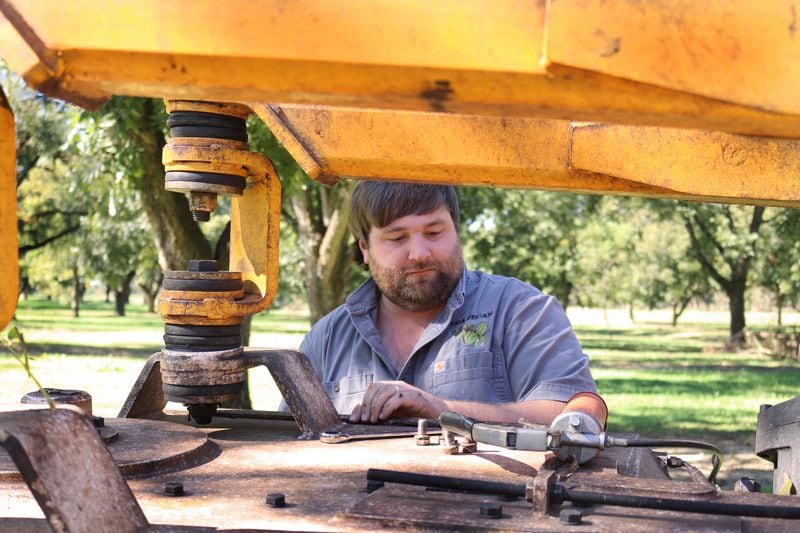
(378,203)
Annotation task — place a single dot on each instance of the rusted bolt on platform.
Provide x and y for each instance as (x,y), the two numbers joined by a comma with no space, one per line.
(422,438)
(570,516)
(173,489)
(276,499)
(491,510)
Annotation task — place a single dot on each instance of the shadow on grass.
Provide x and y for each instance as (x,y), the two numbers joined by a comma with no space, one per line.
(39,348)
(625,345)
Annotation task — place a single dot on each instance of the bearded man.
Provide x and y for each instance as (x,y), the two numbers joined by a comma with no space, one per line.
(425,335)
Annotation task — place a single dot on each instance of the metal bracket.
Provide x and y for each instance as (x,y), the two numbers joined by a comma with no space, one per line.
(57,451)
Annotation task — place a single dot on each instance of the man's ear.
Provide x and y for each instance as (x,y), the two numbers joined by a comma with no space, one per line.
(364,250)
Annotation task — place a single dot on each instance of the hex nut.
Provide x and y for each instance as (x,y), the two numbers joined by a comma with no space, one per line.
(203,265)
(491,510)
(276,499)
(570,516)
(173,489)
(422,440)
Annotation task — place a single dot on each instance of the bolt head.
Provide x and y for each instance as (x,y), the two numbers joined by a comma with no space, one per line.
(491,510)
(570,516)
(575,421)
(173,489)
(276,499)
(203,265)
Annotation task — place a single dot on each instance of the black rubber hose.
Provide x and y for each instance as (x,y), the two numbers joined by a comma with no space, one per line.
(444,482)
(561,494)
(716,461)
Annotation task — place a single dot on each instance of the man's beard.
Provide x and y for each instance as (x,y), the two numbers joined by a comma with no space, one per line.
(412,294)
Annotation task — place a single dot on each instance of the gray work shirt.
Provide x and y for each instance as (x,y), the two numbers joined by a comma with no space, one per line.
(497,340)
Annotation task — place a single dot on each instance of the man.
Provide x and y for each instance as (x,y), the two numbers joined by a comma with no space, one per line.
(424,335)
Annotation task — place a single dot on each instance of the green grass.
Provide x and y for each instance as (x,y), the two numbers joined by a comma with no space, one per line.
(664,381)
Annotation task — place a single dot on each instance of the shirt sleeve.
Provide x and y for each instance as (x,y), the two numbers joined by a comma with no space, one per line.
(545,361)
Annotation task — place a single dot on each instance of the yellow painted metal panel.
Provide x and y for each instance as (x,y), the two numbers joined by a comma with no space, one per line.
(742,52)
(541,154)
(467,57)
(694,164)
(457,34)
(9,264)
(440,148)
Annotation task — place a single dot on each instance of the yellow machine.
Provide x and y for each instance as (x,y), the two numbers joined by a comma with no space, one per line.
(676,99)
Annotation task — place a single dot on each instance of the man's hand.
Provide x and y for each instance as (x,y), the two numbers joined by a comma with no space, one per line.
(395,399)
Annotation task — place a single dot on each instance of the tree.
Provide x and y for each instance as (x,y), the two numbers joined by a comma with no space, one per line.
(778,260)
(667,271)
(526,234)
(723,239)
(47,173)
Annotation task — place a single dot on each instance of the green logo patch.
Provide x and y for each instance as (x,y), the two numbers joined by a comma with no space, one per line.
(472,334)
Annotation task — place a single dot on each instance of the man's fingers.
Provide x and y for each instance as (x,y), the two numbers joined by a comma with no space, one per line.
(384,392)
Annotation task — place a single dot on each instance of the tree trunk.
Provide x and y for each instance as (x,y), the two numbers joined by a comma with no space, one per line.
(736,291)
(75,303)
(323,236)
(779,304)
(177,236)
(122,295)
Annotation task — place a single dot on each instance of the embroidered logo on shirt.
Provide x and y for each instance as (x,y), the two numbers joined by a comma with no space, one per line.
(439,366)
(472,334)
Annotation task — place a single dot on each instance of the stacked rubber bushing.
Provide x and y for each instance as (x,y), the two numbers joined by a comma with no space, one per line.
(203,363)
(204,180)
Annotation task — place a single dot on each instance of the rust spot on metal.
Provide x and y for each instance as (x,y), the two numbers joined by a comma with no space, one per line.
(438,95)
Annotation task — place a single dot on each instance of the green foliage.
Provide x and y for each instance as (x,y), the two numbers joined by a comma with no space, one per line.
(79,208)
(529,235)
(778,267)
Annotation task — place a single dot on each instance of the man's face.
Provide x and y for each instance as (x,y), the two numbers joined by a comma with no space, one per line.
(415,260)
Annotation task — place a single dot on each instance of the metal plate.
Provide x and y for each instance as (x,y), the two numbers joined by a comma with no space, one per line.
(144,448)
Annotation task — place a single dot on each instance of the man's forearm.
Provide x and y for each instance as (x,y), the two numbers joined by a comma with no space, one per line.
(533,411)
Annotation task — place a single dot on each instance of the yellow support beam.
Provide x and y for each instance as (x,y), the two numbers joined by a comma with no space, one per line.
(677,63)
(9,264)
(540,154)
(710,166)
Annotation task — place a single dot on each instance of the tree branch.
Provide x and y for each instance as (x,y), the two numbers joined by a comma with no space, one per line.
(704,262)
(63,233)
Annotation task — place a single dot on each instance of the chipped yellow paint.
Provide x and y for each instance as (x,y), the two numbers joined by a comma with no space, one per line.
(9,264)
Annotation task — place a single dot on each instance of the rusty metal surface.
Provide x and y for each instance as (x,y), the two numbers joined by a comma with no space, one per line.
(300,387)
(146,399)
(777,441)
(325,488)
(9,264)
(69,471)
(143,448)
